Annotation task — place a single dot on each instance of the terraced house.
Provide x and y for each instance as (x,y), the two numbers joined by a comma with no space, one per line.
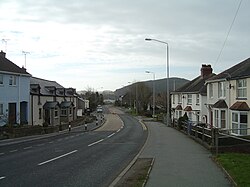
(228,99)
(14,93)
(191,98)
(51,103)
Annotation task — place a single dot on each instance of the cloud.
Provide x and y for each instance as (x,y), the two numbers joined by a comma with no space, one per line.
(100,40)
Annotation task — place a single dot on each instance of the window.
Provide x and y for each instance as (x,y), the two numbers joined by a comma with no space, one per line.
(1,79)
(222,90)
(12,81)
(239,123)
(1,109)
(211,91)
(241,88)
(70,111)
(220,118)
(56,112)
(189,99)
(40,113)
(178,114)
(173,99)
(179,98)
(64,112)
(197,99)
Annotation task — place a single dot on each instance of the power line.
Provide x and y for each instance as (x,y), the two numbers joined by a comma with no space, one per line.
(230,28)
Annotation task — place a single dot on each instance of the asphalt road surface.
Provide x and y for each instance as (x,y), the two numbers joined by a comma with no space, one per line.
(77,158)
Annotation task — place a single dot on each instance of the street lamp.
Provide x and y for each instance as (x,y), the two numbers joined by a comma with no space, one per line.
(167,74)
(153,91)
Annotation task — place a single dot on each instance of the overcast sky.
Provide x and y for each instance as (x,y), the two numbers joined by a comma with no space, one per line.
(101,43)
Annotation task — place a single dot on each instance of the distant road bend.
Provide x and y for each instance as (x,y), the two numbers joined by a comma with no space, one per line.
(77,158)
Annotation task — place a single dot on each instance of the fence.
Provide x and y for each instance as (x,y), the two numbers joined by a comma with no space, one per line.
(215,139)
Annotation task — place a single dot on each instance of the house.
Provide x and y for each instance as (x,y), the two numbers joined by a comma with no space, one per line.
(51,103)
(191,98)
(228,99)
(14,93)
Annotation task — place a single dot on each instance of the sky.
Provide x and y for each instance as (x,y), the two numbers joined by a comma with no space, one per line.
(100,44)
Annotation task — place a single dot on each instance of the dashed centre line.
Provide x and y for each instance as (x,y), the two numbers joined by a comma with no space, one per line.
(2,177)
(1,154)
(56,158)
(111,135)
(95,142)
(28,147)
(12,151)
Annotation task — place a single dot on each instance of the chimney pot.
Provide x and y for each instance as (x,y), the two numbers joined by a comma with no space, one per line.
(3,54)
(206,70)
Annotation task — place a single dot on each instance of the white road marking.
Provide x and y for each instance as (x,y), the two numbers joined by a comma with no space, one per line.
(12,151)
(28,147)
(51,142)
(111,135)
(118,130)
(2,178)
(95,142)
(42,163)
(1,154)
(40,144)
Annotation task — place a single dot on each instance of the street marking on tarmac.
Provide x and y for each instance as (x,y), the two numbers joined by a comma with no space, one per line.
(111,135)
(12,151)
(56,158)
(1,154)
(27,147)
(95,142)
(2,178)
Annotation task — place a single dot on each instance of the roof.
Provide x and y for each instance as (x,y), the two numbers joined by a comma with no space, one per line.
(220,104)
(50,104)
(188,108)
(241,106)
(178,107)
(45,85)
(197,85)
(7,66)
(240,70)
(66,104)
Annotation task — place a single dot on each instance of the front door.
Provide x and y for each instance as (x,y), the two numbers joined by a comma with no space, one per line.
(47,116)
(12,113)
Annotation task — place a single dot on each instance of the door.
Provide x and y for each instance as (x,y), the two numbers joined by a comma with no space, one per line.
(23,113)
(12,113)
(47,116)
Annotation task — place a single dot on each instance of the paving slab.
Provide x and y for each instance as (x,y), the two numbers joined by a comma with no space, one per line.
(179,160)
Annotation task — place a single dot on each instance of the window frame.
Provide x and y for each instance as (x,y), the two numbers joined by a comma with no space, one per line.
(1,109)
(189,99)
(1,80)
(12,80)
(242,88)
(218,120)
(211,90)
(222,89)
(238,123)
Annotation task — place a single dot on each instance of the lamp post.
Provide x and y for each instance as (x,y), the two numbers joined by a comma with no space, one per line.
(167,74)
(153,91)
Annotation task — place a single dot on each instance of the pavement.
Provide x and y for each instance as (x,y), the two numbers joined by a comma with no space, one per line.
(179,160)
(90,127)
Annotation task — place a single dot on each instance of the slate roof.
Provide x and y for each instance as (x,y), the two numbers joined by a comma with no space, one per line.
(240,70)
(7,66)
(220,104)
(50,104)
(197,85)
(241,106)
(45,85)
(66,104)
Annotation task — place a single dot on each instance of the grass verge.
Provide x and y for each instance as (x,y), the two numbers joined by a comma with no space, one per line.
(238,167)
(137,175)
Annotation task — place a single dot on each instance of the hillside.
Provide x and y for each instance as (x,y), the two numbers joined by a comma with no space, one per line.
(160,85)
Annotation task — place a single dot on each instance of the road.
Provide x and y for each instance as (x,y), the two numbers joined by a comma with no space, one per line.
(77,158)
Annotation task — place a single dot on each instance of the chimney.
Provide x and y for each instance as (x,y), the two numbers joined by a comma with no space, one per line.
(206,70)
(2,54)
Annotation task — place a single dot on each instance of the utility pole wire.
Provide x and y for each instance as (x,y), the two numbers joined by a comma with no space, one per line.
(230,28)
